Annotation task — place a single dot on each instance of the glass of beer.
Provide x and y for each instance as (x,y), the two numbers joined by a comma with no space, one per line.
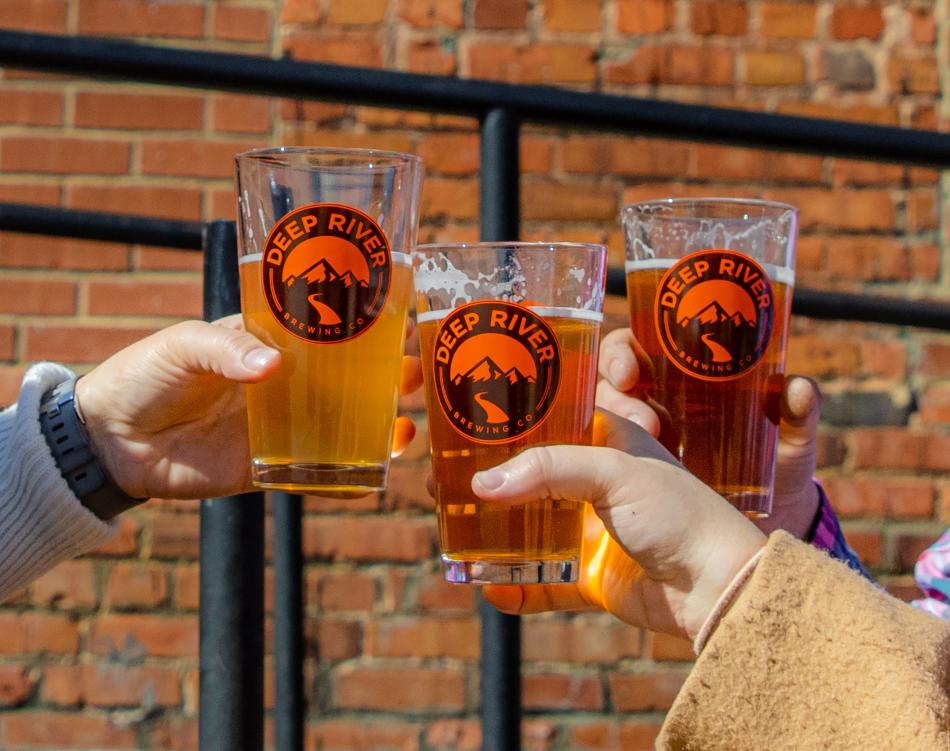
(509,334)
(324,237)
(710,284)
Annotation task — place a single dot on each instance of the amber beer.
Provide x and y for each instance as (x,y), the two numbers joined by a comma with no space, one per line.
(721,425)
(334,401)
(476,530)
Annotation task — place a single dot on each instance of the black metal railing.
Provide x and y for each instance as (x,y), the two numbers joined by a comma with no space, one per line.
(232,554)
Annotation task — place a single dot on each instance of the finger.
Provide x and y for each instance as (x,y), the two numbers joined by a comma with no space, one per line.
(411,376)
(628,407)
(403,433)
(801,410)
(619,433)
(204,348)
(617,362)
(234,321)
(519,600)
(430,485)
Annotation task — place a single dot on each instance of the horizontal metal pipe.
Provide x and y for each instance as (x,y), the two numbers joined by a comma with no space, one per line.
(95,225)
(265,76)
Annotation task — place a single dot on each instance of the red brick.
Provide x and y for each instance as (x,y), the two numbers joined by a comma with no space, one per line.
(364,13)
(135,636)
(724,163)
(187,587)
(638,17)
(774,68)
(175,535)
(787,20)
(437,595)
(538,735)
(923,209)
(62,685)
(427,14)
(884,358)
(431,57)
(79,344)
(607,736)
(664,647)
(909,545)
(242,24)
(39,252)
(72,584)
(456,199)
(337,640)
(300,11)
(859,113)
(572,15)
(557,691)
(10,379)
(345,591)
(851,22)
(935,404)
(894,499)
(719,18)
(407,479)
(136,585)
(820,357)
(548,200)
(7,343)
(354,735)
(145,298)
(368,538)
(408,690)
(794,168)
(167,259)
(636,692)
(500,14)
(65,155)
(851,172)
(336,49)
(458,735)
(192,158)
(30,633)
(583,640)
(858,210)
(925,262)
(600,155)
(547,63)
(16,685)
(163,202)
(37,729)
(872,258)
(914,76)
(897,448)
(30,296)
(111,685)
(174,734)
(129,111)
(367,140)
(642,65)
(46,16)
(934,359)
(698,66)
(125,543)
(30,107)
(450,153)
(536,154)
(923,26)
(47,195)
(316,504)
(141,18)
(233,113)
(423,637)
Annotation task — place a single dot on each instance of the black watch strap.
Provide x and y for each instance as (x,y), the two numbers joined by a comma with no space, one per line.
(72,450)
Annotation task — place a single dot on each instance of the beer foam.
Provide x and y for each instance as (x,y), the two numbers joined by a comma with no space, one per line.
(542,310)
(779,274)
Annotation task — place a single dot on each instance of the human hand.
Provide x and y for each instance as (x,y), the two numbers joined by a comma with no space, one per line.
(654,552)
(624,367)
(167,417)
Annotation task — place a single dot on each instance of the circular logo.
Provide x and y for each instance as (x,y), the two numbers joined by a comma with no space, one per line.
(326,272)
(497,370)
(714,312)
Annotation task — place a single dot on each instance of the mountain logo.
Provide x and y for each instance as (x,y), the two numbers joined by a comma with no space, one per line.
(326,271)
(497,368)
(714,314)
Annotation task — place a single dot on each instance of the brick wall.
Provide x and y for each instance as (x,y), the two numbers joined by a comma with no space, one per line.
(101,653)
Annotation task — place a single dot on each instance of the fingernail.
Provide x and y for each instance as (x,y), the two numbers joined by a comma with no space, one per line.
(259,358)
(491,479)
(615,371)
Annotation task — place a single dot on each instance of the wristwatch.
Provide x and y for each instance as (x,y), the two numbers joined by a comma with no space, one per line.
(72,450)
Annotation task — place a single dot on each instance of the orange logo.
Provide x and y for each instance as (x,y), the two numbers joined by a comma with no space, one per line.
(497,370)
(714,312)
(327,270)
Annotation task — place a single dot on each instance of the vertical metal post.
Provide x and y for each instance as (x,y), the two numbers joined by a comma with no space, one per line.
(501,634)
(288,622)
(231,711)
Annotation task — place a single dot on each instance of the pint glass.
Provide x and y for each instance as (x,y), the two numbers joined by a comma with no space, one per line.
(710,285)
(509,334)
(324,237)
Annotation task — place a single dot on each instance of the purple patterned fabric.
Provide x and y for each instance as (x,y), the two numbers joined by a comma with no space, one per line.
(826,535)
(932,573)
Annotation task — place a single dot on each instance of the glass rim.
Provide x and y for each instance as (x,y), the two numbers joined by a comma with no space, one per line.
(499,244)
(273,153)
(642,207)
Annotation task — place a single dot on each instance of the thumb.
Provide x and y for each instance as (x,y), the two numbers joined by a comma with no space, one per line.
(202,348)
(579,473)
(801,411)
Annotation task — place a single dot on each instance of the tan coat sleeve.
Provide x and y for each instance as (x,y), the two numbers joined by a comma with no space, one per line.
(812,656)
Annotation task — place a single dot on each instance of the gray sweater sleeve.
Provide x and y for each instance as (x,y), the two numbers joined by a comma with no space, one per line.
(41,521)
